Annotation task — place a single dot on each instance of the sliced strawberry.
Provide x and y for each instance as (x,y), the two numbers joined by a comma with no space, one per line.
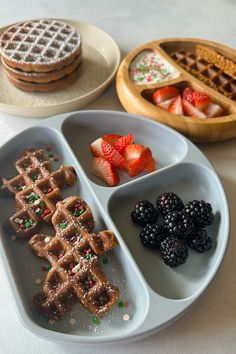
(122,142)
(96,147)
(138,165)
(201,100)
(166,104)
(111,138)
(176,106)
(164,94)
(103,169)
(112,156)
(192,111)
(188,95)
(133,151)
(214,110)
(151,166)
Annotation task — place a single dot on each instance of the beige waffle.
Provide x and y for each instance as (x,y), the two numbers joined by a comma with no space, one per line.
(206,72)
(36,189)
(227,65)
(75,274)
(40,45)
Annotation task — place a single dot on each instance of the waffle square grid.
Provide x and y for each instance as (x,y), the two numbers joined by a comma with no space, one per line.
(208,73)
(39,41)
(37,190)
(75,274)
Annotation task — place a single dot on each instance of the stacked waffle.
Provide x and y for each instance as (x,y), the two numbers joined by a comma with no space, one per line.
(41,55)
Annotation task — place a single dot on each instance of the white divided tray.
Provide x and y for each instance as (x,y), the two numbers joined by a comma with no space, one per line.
(156,294)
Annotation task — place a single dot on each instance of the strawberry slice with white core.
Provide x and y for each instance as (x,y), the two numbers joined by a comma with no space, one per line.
(137,157)
(176,106)
(214,110)
(112,155)
(96,147)
(103,169)
(166,104)
(192,111)
(133,151)
(123,141)
(164,94)
(136,166)
(201,100)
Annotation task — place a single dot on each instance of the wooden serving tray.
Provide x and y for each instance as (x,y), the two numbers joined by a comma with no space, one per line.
(193,72)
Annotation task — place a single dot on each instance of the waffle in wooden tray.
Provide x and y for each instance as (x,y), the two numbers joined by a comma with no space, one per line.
(201,65)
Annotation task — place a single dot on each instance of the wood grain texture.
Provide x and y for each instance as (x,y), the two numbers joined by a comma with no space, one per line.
(136,98)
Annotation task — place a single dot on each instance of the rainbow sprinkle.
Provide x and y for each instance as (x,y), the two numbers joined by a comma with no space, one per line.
(150,67)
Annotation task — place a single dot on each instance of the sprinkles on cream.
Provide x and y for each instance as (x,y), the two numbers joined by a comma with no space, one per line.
(150,67)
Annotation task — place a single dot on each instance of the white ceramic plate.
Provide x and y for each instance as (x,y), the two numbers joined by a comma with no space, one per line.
(101,58)
(157,294)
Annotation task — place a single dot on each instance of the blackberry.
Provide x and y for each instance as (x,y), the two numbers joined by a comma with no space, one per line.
(200,211)
(152,235)
(178,223)
(144,213)
(199,240)
(174,251)
(169,201)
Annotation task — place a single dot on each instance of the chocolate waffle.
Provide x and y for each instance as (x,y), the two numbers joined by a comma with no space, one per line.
(206,72)
(40,45)
(75,274)
(41,55)
(36,189)
(42,77)
(31,86)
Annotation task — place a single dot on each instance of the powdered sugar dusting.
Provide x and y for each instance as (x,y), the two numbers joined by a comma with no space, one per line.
(39,42)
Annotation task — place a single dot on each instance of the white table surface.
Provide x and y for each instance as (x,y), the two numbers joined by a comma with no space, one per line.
(210,325)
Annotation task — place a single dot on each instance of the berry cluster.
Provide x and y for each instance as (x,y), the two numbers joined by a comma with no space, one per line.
(113,152)
(183,226)
(189,102)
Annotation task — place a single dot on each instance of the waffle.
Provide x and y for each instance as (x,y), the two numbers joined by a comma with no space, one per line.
(75,274)
(45,86)
(42,77)
(36,189)
(206,72)
(40,45)
(211,56)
